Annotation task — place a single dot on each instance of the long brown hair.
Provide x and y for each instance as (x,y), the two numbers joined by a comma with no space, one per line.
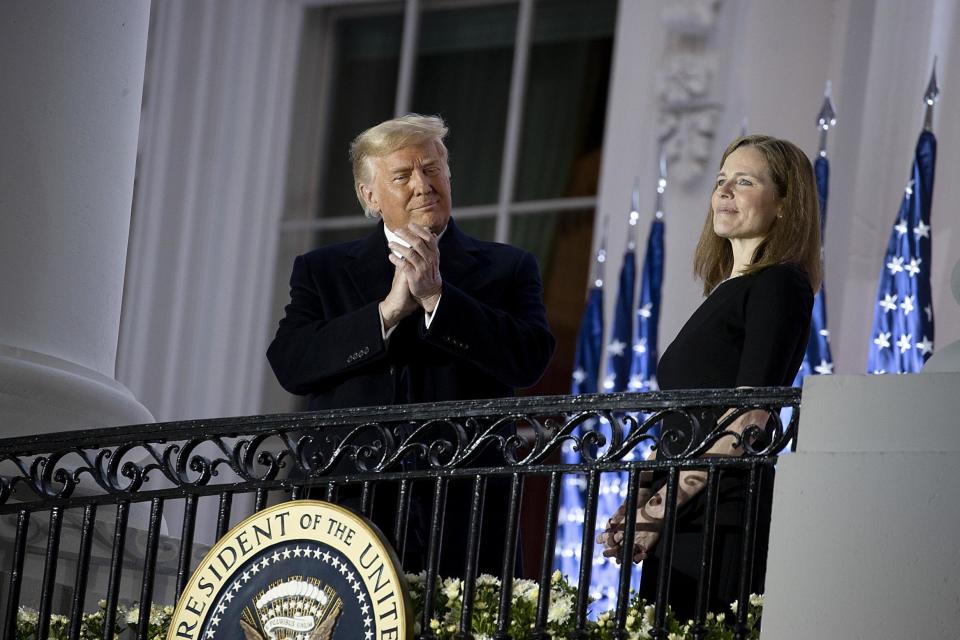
(793,239)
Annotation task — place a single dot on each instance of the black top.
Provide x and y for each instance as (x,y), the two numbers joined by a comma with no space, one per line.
(751,331)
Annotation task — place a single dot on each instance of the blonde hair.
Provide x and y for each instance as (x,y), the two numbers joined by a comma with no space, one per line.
(794,237)
(387,137)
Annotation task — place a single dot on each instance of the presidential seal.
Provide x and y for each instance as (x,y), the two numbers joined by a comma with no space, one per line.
(302,570)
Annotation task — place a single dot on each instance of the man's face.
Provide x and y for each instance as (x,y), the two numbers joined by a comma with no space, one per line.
(411,184)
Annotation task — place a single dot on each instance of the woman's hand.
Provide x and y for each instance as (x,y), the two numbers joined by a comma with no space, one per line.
(646,533)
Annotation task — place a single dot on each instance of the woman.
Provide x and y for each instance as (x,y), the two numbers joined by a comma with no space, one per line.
(759,260)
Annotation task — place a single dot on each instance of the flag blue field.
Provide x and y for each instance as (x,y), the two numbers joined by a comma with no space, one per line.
(818,359)
(586,372)
(643,366)
(902,337)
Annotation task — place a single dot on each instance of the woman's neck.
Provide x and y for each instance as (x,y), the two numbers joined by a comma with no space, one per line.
(743,252)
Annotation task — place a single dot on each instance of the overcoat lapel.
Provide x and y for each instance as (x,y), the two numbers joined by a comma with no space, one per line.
(369,269)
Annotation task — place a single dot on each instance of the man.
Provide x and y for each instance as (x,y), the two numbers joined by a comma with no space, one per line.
(417,311)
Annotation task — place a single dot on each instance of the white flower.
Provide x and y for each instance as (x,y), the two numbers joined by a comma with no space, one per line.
(451,588)
(526,590)
(733,606)
(133,615)
(560,609)
(486,579)
(756,600)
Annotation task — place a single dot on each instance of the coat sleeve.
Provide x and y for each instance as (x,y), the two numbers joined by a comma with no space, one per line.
(512,343)
(311,349)
(777,323)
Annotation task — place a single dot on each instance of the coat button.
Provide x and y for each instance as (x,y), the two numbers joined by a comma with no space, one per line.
(393,370)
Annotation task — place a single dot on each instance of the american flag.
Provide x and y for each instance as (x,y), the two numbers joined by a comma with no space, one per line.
(902,338)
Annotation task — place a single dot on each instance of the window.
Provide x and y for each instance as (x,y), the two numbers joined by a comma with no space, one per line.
(523,87)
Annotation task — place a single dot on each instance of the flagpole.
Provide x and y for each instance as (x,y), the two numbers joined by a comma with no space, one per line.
(661,183)
(930,98)
(634,219)
(825,119)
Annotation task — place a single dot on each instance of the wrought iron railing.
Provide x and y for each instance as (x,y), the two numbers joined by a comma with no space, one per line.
(78,500)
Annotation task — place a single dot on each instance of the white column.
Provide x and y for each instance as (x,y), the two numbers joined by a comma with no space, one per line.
(71,78)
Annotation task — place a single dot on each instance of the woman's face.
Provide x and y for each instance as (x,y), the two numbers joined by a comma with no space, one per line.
(745,201)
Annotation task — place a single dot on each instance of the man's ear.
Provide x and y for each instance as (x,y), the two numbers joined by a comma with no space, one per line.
(371,200)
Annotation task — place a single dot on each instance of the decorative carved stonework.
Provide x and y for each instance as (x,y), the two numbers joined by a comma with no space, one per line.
(688,113)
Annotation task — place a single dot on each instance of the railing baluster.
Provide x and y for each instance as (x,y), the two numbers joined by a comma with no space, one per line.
(400,524)
(186,543)
(746,553)
(706,553)
(433,552)
(49,572)
(586,551)
(261,501)
(546,561)
(666,562)
(509,557)
(83,570)
(16,574)
(149,567)
(116,570)
(331,492)
(366,498)
(626,556)
(473,545)
(223,513)
(296,492)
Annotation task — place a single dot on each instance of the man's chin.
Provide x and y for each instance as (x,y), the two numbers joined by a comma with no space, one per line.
(434,220)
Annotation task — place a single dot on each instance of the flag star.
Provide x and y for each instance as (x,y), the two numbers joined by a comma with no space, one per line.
(215,621)
(640,346)
(228,596)
(365,608)
(316,553)
(609,381)
(825,333)
(368,635)
(579,376)
(265,563)
(343,569)
(286,553)
(646,310)
(900,227)
(254,569)
(335,563)
(246,576)
(922,230)
(616,347)
(824,368)
(909,188)
(297,552)
(905,342)
(879,372)
(889,302)
(907,305)
(914,267)
(925,346)
(929,311)
(882,340)
(636,382)
(351,577)
(221,608)
(367,621)
(326,556)
(209,633)
(276,556)
(895,265)
(356,587)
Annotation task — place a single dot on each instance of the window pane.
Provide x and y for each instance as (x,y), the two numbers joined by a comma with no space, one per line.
(463,68)
(566,99)
(480,228)
(363,91)
(561,242)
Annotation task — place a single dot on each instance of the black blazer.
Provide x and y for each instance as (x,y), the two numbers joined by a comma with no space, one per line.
(488,337)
